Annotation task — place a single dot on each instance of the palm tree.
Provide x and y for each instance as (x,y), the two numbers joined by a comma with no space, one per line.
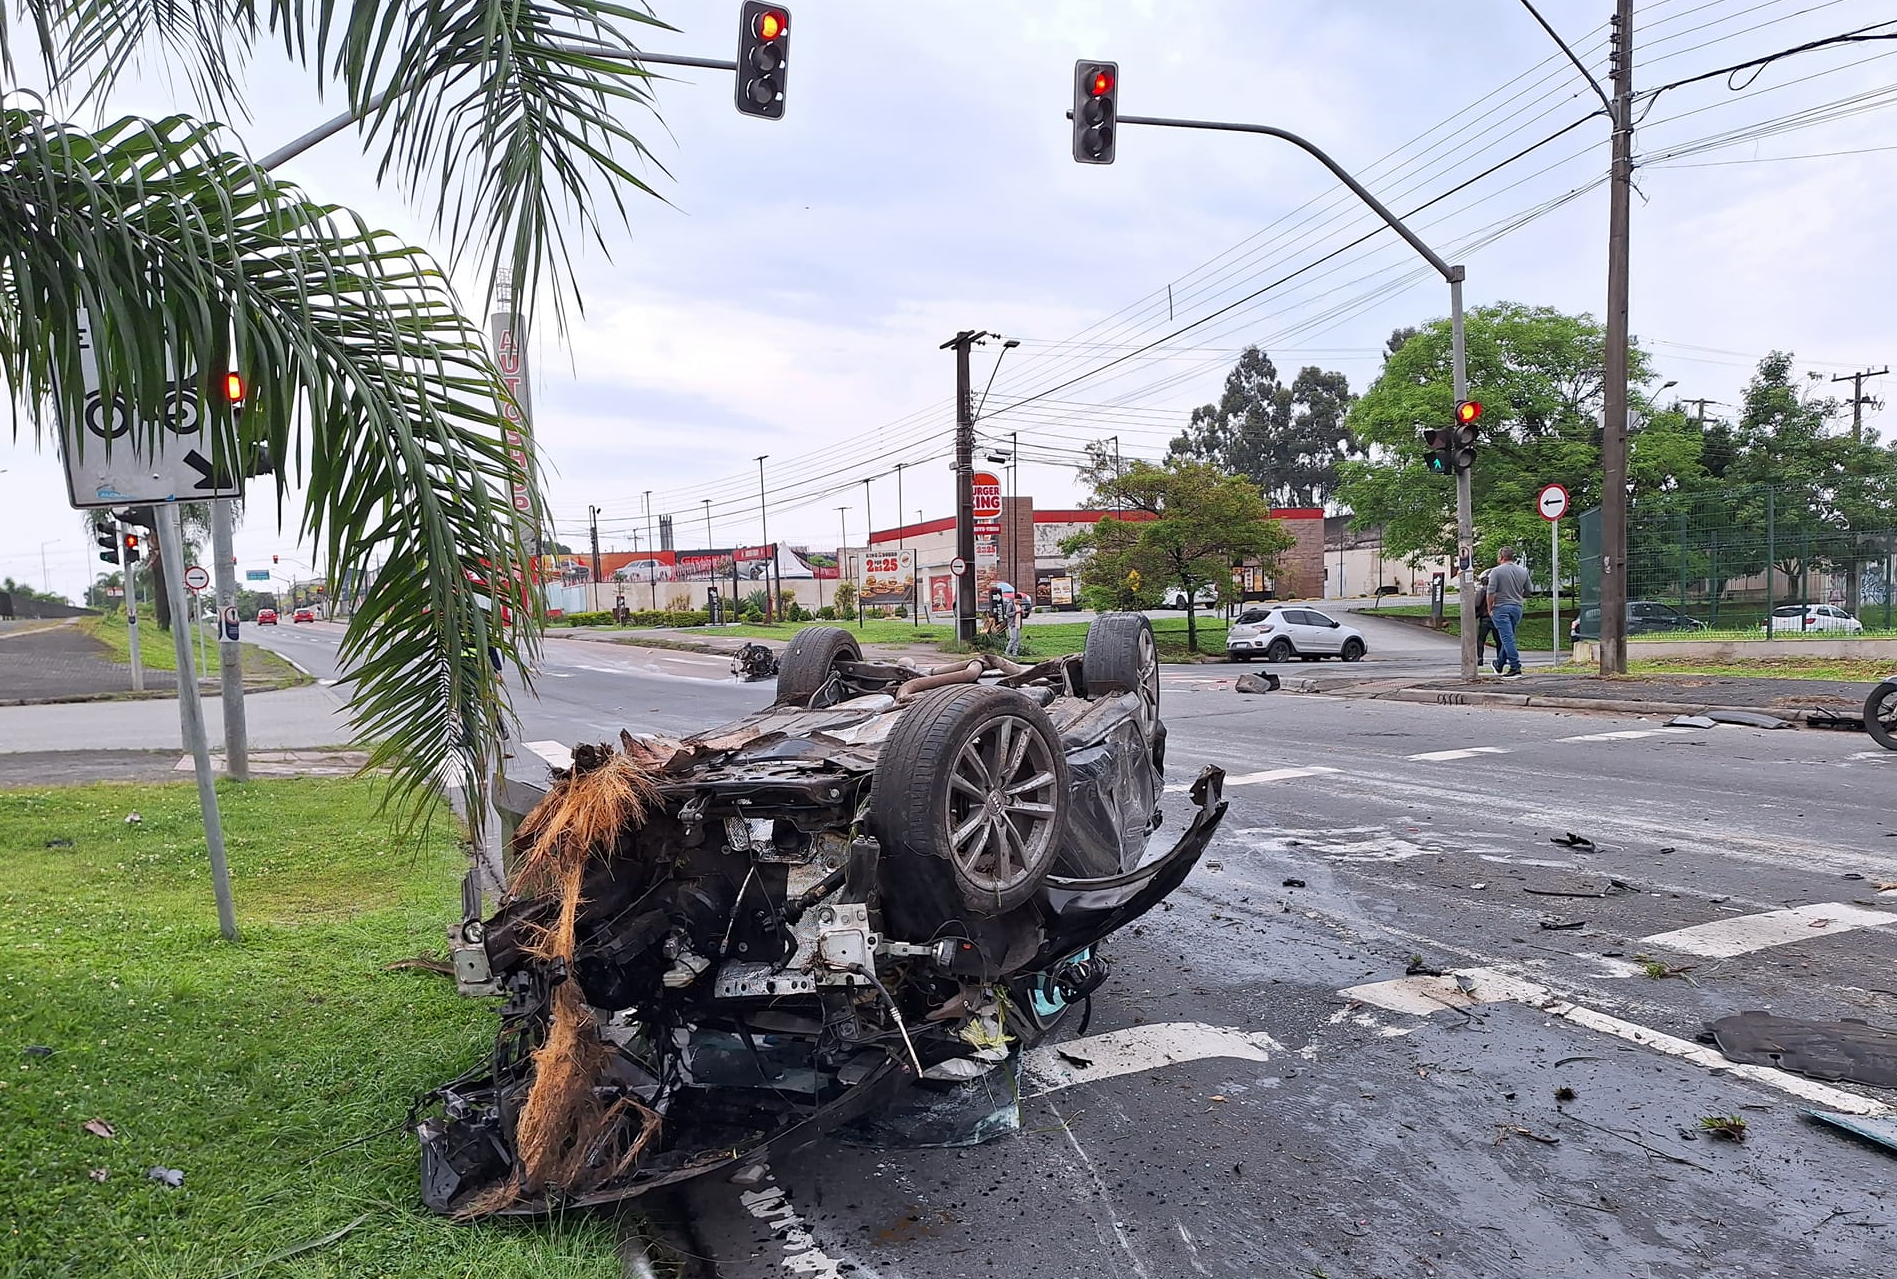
(368,383)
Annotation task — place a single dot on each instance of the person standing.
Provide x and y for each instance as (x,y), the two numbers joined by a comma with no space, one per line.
(1014,611)
(1508,587)
(1484,623)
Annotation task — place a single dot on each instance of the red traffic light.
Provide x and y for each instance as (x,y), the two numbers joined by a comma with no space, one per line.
(772,23)
(1468,411)
(273,559)
(1102,83)
(131,541)
(234,387)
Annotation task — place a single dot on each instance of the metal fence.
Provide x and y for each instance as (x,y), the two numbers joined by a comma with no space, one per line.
(1728,559)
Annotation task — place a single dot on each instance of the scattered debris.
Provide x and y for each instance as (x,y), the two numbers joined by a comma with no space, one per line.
(36,1050)
(1838,721)
(427,963)
(1691,721)
(1465,983)
(99,1128)
(1505,1131)
(748,1176)
(1669,849)
(1881,1130)
(1256,682)
(59,842)
(1659,971)
(1417,968)
(1554,923)
(1730,1127)
(1073,1059)
(1477,887)
(1568,1061)
(1887,885)
(133,819)
(1850,1050)
(173,1177)
(1748,719)
(1219,1097)
(1571,840)
(98,1174)
(1572,892)
(1565,1093)
(1294,883)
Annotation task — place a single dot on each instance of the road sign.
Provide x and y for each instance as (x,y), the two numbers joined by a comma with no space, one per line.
(195,578)
(958,566)
(230,623)
(256,575)
(1553,503)
(123,463)
(987,496)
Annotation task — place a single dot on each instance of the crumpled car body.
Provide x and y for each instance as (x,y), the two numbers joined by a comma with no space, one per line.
(888,877)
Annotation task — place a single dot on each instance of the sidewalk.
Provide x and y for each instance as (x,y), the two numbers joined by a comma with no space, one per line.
(1789,699)
(60,661)
(286,719)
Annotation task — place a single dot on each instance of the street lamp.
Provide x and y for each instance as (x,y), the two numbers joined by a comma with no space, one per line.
(1007,345)
(45,578)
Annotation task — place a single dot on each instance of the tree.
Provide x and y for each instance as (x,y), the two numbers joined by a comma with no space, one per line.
(1200,521)
(21,591)
(367,380)
(1287,440)
(1537,374)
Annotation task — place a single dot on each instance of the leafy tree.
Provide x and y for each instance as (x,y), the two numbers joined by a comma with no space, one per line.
(21,591)
(844,598)
(1200,521)
(368,382)
(1286,439)
(1537,373)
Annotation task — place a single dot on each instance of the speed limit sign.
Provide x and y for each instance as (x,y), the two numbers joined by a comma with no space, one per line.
(1553,503)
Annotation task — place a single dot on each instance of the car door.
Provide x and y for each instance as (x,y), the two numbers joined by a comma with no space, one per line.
(1324,634)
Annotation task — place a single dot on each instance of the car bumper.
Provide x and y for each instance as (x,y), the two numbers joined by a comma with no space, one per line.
(1258,645)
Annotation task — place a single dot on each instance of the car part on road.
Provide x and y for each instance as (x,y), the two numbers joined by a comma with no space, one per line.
(1879,1129)
(753,662)
(720,948)
(1747,719)
(1880,714)
(1256,682)
(810,662)
(1848,1051)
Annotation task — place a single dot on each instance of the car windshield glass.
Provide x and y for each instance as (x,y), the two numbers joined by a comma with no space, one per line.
(1787,612)
(1314,618)
(1252,616)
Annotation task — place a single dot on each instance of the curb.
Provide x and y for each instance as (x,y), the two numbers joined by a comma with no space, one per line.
(1458,697)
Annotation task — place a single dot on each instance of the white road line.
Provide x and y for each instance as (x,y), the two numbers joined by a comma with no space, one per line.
(1127,1052)
(1443,757)
(1742,934)
(557,754)
(1248,779)
(1627,734)
(1425,995)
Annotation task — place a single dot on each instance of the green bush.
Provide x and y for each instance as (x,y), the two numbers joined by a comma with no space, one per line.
(640,617)
(827,614)
(751,617)
(902,610)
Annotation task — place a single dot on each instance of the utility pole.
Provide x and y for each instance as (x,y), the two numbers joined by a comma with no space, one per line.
(764,522)
(963,343)
(1859,399)
(1614,407)
(707,502)
(592,518)
(230,653)
(652,542)
(1699,409)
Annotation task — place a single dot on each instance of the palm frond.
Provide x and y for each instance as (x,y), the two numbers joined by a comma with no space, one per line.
(366,383)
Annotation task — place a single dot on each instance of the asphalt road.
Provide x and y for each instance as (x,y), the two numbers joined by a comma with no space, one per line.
(1266,1091)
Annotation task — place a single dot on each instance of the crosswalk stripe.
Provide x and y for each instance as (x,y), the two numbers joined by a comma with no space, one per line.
(1269,775)
(1443,757)
(1627,734)
(1742,934)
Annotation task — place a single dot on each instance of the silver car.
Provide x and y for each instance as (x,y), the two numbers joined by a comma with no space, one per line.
(1287,631)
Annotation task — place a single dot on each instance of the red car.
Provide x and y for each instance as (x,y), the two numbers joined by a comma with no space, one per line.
(266,617)
(304,615)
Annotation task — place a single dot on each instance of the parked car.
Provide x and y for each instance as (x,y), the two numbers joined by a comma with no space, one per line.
(266,617)
(304,615)
(1644,617)
(1282,633)
(1804,618)
(1206,596)
(890,874)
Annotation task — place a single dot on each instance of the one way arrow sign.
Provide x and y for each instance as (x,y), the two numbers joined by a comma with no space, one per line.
(111,461)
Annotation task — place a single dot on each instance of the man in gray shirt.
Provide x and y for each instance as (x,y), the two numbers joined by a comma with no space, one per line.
(1508,585)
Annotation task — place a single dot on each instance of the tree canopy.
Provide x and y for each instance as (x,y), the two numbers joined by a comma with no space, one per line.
(1287,440)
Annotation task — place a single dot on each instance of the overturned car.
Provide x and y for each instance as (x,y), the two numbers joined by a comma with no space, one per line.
(719,948)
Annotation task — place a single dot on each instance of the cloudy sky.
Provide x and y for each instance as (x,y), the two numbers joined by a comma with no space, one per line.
(790,294)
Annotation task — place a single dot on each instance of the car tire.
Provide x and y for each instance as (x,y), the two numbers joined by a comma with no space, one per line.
(1279,651)
(1880,715)
(1353,650)
(1123,657)
(810,660)
(971,791)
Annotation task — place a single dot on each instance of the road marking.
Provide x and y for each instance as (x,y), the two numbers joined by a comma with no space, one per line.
(1248,779)
(1627,734)
(1137,1048)
(557,754)
(1425,995)
(1742,934)
(1443,757)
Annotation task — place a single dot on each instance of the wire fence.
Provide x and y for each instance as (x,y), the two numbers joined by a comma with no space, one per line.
(1750,563)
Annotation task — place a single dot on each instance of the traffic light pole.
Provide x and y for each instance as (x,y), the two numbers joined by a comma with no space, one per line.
(131,609)
(964,344)
(1452,275)
(230,653)
(191,717)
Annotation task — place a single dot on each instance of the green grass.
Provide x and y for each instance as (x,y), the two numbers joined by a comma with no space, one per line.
(157,651)
(1534,635)
(1833,668)
(1049,640)
(250,1066)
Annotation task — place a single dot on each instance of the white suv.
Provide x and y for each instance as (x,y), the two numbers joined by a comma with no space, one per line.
(1282,633)
(1805,618)
(1206,596)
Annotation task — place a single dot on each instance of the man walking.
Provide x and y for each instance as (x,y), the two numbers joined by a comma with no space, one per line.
(1484,623)
(1508,586)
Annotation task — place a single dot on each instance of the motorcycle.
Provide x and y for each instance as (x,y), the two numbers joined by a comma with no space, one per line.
(1880,713)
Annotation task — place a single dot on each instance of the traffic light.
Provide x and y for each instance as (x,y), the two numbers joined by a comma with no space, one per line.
(108,539)
(763,57)
(1096,110)
(1466,434)
(234,389)
(1440,451)
(131,549)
